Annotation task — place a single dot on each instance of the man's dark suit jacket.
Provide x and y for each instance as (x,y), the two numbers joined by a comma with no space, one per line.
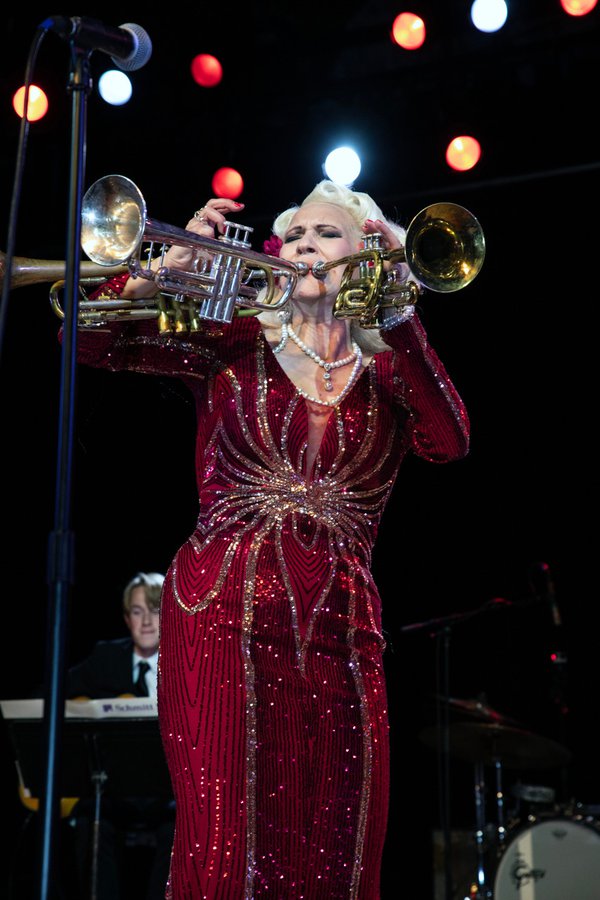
(107,672)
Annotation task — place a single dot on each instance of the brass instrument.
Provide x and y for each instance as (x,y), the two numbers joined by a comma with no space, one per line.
(444,250)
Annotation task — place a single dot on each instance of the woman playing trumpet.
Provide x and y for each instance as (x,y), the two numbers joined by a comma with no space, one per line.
(271,688)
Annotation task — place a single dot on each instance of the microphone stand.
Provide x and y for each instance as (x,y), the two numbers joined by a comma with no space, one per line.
(60,562)
(559,697)
(441,629)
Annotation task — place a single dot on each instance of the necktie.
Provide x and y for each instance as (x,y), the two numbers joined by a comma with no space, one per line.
(141,687)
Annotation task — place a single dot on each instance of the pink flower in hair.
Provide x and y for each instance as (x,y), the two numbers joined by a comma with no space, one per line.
(273,245)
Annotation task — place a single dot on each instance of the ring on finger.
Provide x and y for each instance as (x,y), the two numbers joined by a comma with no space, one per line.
(198,215)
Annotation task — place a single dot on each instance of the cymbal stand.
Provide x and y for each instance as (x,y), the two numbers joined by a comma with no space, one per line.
(441,629)
(482,891)
(500,824)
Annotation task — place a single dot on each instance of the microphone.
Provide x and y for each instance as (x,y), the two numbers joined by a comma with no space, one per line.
(128,45)
(551,594)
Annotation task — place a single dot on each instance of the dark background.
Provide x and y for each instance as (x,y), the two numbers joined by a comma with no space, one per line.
(518,344)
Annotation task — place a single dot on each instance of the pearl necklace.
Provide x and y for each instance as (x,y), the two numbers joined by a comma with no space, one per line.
(335,401)
(288,331)
(326,366)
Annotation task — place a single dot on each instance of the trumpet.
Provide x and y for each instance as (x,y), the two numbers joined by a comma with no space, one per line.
(226,278)
(444,250)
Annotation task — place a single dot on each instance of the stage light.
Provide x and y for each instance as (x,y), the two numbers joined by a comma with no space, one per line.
(408,31)
(578,7)
(463,153)
(115,87)
(489,15)
(207,71)
(342,165)
(227,182)
(37,105)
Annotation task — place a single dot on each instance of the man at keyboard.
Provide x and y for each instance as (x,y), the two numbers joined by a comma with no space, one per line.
(121,668)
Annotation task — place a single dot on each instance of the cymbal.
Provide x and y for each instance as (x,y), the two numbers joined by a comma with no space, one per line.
(489,743)
(480,710)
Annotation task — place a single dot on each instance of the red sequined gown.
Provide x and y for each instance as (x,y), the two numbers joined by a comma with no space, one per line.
(272,701)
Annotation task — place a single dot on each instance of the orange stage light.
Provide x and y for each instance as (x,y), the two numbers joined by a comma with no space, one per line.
(408,31)
(463,153)
(37,105)
(578,7)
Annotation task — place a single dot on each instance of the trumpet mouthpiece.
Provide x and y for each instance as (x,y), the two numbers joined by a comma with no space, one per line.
(318,269)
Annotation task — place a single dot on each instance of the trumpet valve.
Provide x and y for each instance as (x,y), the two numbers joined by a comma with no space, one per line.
(373,241)
(236,235)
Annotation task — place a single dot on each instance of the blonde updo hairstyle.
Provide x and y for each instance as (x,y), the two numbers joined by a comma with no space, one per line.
(359,206)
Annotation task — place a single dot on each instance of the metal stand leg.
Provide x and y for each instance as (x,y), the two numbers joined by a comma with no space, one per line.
(98,780)
(500,827)
(482,891)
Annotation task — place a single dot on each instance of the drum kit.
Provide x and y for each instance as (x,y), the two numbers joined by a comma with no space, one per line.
(541,849)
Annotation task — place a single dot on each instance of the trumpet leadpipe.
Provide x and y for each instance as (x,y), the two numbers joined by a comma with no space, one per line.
(25,271)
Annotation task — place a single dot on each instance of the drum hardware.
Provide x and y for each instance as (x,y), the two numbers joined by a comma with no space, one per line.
(532,800)
(497,746)
(480,888)
(588,812)
(488,742)
(534,793)
(479,709)
(440,737)
(485,838)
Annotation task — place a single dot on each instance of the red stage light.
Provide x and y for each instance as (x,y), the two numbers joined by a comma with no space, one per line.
(578,7)
(228,183)
(37,105)
(207,71)
(408,31)
(463,153)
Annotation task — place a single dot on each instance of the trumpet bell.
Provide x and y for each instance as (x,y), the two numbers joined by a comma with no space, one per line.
(445,247)
(113,219)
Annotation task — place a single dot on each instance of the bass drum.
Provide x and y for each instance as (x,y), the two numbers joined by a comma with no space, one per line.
(551,859)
